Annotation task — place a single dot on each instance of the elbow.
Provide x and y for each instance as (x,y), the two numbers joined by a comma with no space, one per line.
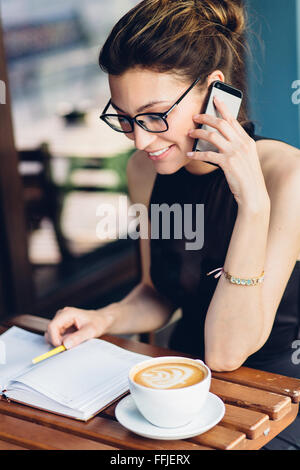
(231,353)
(224,364)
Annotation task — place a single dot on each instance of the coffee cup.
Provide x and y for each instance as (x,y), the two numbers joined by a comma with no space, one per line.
(169,391)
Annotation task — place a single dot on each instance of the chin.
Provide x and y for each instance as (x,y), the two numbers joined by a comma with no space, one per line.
(164,168)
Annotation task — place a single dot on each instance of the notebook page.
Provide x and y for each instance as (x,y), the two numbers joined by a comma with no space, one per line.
(35,399)
(21,347)
(79,374)
(27,395)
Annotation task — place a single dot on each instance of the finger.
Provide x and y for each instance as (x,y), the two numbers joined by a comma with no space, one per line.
(208,157)
(228,117)
(211,136)
(223,109)
(61,322)
(224,128)
(84,333)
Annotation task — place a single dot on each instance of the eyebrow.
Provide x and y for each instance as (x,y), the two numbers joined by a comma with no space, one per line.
(139,110)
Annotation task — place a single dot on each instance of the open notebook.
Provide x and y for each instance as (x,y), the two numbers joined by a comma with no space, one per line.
(77,383)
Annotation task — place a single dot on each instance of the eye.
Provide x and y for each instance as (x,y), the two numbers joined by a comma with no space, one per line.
(153,117)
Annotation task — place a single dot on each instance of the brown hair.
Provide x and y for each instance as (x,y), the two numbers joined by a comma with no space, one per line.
(188,37)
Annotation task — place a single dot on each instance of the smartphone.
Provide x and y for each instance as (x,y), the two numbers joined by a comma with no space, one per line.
(232,97)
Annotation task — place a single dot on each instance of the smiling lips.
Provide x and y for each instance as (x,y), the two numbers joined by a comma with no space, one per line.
(159,154)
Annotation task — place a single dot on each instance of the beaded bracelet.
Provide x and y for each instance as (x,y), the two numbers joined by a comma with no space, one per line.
(253,281)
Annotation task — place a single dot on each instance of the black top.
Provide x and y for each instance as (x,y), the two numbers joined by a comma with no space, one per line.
(180,274)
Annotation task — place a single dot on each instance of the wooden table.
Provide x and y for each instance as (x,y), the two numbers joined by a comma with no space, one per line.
(259,405)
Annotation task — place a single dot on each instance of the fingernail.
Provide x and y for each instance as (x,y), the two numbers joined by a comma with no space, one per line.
(68,343)
(190,154)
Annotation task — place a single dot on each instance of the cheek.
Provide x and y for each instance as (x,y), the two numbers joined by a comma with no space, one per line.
(186,120)
(181,126)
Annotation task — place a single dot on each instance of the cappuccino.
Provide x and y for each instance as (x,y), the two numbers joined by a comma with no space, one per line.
(169,375)
(169,391)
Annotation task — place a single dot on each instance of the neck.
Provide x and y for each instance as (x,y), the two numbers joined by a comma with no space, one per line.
(199,168)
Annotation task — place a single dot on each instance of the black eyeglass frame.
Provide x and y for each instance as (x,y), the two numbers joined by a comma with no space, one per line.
(133,120)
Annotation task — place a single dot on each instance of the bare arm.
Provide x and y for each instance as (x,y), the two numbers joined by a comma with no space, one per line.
(266,236)
(234,321)
(240,319)
(143,310)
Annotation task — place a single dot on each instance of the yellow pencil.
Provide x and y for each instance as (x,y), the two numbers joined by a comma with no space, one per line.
(49,354)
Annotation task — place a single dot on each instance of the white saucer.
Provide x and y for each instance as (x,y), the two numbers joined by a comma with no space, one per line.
(129,416)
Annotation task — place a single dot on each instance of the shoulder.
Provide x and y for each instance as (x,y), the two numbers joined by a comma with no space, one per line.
(280,163)
(141,176)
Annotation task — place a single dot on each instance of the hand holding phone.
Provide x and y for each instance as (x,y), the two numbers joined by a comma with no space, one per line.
(232,97)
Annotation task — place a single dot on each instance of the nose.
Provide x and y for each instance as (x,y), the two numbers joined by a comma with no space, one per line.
(142,138)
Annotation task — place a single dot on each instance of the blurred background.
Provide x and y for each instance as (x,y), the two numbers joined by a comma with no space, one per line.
(69,160)
(59,161)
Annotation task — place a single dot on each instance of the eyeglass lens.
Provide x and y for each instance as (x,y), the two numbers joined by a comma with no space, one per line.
(150,122)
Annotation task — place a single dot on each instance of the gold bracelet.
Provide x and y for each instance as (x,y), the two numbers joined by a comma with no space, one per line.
(253,281)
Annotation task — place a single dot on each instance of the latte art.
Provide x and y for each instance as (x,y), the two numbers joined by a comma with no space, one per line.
(169,375)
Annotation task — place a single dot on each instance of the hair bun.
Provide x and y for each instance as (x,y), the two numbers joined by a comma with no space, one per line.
(227,15)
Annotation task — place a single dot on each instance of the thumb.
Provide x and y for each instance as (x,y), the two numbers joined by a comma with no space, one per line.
(74,339)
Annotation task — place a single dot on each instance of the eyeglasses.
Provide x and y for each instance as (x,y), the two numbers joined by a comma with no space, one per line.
(150,122)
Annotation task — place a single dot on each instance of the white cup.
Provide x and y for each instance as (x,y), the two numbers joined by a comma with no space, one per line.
(173,407)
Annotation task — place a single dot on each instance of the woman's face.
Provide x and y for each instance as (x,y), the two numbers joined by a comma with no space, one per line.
(142,91)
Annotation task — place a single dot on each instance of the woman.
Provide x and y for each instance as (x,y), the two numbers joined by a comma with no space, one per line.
(154,56)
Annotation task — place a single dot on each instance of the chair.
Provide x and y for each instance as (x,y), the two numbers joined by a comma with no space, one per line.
(42,198)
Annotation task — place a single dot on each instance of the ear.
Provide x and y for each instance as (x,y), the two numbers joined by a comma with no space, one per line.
(215,75)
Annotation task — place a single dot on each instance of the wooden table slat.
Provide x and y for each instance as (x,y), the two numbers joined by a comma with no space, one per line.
(276,383)
(275,428)
(272,404)
(250,422)
(35,436)
(222,438)
(28,322)
(9,446)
